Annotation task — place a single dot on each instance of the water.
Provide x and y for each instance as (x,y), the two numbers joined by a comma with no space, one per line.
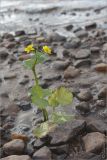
(34,14)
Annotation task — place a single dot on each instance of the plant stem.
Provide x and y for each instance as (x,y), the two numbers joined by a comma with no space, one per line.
(45,115)
(35,76)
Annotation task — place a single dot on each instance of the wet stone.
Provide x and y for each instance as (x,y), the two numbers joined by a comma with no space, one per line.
(14,147)
(42,154)
(82,53)
(94,142)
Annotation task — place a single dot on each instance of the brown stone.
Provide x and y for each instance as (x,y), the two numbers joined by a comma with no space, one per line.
(101,67)
(94,142)
(71,72)
(19,136)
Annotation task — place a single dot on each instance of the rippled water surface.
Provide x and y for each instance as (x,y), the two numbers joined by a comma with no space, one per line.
(31,14)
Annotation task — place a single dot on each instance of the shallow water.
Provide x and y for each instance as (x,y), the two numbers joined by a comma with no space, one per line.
(33,14)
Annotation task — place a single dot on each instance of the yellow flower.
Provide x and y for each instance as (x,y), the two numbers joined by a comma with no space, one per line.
(46,49)
(29,48)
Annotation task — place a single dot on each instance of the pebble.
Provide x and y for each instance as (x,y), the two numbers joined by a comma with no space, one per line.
(60,65)
(104,47)
(82,63)
(92,25)
(101,67)
(55,37)
(19,136)
(83,107)
(42,154)
(15,157)
(102,93)
(75,43)
(14,147)
(94,142)
(9,76)
(81,34)
(69,27)
(3,54)
(20,33)
(82,53)
(84,95)
(38,144)
(71,72)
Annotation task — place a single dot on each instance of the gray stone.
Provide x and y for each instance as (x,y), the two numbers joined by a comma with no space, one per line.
(102,93)
(51,76)
(84,95)
(105,47)
(55,37)
(83,107)
(94,142)
(69,27)
(42,154)
(60,65)
(14,147)
(38,144)
(73,44)
(82,53)
(65,132)
(3,54)
(62,149)
(82,63)
(81,34)
(15,157)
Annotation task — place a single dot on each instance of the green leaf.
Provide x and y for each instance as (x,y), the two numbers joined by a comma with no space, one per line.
(60,96)
(29,63)
(64,96)
(59,117)
(40,102)
(41,57)
(44,129)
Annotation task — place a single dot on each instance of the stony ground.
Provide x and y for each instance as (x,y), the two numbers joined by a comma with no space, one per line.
(77,62)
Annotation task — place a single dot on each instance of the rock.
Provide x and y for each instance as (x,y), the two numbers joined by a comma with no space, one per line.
(20,33)
(71,72)
(94,142)
(38,144)
(42,154)
(12,108)
(14,147)
(73,44)
(83,107)
(89,156)
(96,125)
(3,54)
(69,27)
(19,136)
(51,76)
(62,149)
(2,131)
(82,53)
(101,67)
(55,37)
(102,93)
(60,65)
(15,157)
(65,132)
(82,63)
(9,76)
(8,36)
(40,39)
(84,95)
(81,34)
(95,50)
(24,105)
(92,25)
(100,103)
(29,149)
(10,45)
(24,81)
(104,47)
(65,53)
